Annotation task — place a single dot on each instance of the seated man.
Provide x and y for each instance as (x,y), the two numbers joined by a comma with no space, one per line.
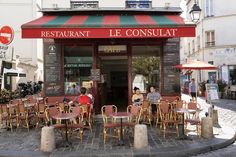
(83,99)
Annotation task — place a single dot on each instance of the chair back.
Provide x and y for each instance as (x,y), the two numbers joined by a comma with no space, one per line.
(135,111)
(164,107)
(107,110)
(79,111)
(192,105)
(52,111)
(40,107)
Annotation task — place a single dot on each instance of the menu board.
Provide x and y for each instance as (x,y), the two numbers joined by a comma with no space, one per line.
(212,91)
(171,83)
(52,69)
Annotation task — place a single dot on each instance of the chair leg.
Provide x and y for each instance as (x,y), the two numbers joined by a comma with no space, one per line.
(104,135)
(81,135)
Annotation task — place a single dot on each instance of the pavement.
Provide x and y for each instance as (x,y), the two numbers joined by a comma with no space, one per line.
(21,143)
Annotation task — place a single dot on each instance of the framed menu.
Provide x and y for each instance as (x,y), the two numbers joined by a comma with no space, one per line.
(171,83)
(52,69)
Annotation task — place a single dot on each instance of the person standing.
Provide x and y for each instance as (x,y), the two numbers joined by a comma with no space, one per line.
(153,97)
(192,88)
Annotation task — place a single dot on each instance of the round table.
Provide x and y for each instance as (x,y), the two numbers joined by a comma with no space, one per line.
(66,117)
(121,115)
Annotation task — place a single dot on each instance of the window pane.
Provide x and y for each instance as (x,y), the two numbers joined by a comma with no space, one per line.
(77,66)
(145,64)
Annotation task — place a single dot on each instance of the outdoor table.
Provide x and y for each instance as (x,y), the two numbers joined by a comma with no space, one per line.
(182,111)
(121,115)
(66,117)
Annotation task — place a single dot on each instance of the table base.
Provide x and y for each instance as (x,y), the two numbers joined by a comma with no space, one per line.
(184,137)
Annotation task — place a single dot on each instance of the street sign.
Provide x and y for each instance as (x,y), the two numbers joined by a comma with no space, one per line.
(6,35)
(95,74)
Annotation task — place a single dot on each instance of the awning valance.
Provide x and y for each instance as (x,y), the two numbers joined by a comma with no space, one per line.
(108,26)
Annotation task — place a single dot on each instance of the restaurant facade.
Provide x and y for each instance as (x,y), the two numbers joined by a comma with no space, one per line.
(110,52)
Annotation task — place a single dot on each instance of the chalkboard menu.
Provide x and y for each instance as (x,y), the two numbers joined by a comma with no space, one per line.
(212,91)
(52,69)
(171,83)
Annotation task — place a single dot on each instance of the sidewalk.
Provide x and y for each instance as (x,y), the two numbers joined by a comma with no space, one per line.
(23,144)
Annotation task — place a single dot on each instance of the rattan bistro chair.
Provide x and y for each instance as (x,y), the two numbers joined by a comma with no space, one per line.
(108,121)
(167,119)
(146,112)
(192,117)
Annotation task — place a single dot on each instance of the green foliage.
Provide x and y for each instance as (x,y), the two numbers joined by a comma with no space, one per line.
(145,65)
(221,85)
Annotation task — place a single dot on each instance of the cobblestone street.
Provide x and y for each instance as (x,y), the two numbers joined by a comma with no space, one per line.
(22,142)
(227,115)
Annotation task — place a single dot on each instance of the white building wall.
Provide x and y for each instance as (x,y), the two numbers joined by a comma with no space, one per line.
(223,23)
(14,13)
(107,3)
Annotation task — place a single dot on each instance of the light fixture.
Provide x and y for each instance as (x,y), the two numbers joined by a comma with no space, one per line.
(195,12)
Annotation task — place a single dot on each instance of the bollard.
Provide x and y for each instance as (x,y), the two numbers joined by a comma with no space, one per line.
(47,139)
(207,127)
(215,117)
(140,136)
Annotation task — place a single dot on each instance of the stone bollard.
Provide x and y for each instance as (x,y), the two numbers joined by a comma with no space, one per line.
(47,139)
(140,136)
(215,117)
(207,127)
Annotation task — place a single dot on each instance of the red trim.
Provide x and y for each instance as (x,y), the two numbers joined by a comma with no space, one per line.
(158,32)
(176,19)
(145,20)
(76,20)
(112,20)
(40,21)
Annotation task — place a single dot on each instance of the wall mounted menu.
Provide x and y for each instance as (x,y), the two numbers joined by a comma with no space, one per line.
(171,83)
(52,69)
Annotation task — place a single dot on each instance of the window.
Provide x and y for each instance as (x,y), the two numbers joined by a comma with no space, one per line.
(210,38)
(209,8)
(211,62)
(193,46)
(198,43)
(138,4)
(146,67)
(77,67)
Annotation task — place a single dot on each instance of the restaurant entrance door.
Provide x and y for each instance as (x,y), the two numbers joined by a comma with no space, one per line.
(113,88)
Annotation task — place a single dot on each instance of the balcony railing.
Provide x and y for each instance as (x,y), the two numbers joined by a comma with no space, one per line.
(138,4)
(84,4)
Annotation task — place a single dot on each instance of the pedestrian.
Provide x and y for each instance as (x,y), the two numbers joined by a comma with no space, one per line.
(192,89)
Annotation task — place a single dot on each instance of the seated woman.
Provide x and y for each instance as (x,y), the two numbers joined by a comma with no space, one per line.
(137,98)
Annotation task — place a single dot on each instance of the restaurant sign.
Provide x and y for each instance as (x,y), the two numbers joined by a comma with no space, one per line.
(108,32)
(111,49)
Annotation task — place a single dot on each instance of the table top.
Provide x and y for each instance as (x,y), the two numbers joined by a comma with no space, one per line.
(121,115)
(185,110)
(65,116)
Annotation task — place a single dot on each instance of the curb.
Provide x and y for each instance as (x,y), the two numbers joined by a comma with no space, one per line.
(220,141)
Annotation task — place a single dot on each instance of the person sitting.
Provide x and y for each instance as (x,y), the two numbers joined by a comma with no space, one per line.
(73,90)
(153,97)
(137,98)
(83,99)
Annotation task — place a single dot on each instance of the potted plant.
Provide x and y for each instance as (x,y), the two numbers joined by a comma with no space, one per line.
(221,85)
(201,88)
